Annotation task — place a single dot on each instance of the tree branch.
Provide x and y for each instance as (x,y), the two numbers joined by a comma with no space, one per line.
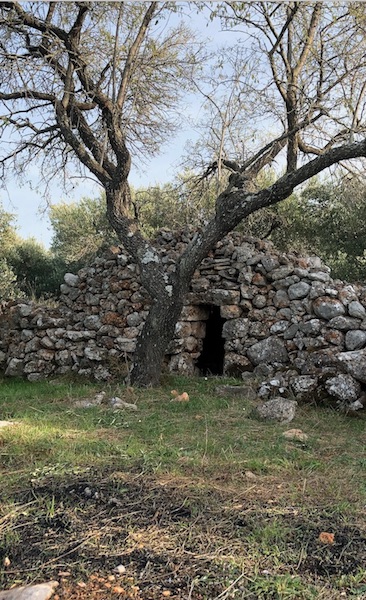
(309,39)
(38,24)
(28,94)
(77,146)
(235,205)
(132,54)
(290,18)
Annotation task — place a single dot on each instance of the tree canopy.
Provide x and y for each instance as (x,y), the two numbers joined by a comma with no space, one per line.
(26,267)
(100,83)
(81,81)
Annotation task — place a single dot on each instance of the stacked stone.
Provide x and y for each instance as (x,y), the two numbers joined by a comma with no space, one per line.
(31,338)
(107,299)
(278,307)
(278,310)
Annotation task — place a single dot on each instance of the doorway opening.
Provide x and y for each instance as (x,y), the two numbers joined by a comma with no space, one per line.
(211,360)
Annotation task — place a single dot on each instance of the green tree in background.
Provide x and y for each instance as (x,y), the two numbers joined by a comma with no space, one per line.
(8,239)
(81,230)
(8,282)
(27,269)
(328,219)
(183,202)
(8,234)
(38,271)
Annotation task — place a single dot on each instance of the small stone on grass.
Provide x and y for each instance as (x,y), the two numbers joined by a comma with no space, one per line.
(295,434)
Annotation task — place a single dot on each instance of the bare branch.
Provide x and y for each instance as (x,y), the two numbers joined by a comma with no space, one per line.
(309,39)
(80,150)
(29,19)
(131,57)
(27,94)
(291,14)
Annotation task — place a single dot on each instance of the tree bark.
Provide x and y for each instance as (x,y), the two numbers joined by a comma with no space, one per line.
(154,339)
(166,290)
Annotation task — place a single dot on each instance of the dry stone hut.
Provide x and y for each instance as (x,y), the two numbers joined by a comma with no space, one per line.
(250,307)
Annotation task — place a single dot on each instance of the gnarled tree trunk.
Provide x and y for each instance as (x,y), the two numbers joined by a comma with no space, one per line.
(166,290)
(154,339)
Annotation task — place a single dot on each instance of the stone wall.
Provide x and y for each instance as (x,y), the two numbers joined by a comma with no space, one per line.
(250,307)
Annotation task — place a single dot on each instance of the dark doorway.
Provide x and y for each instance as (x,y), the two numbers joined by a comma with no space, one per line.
(211,361)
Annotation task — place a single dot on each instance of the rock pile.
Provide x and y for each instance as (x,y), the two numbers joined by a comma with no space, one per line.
(267,312)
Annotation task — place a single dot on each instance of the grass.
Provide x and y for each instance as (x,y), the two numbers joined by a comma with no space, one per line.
(223,503)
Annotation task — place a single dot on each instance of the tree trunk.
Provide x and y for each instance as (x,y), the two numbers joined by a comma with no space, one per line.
(166,290)
(292,123)
(154,339)
(159,327)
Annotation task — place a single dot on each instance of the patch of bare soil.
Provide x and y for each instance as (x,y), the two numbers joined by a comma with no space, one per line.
(171,539)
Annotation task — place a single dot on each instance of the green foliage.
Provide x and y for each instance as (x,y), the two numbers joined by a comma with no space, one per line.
(38,272)
(281,587)
(208,428)
(8,239)
(8,282)
(174,205)
(328,219)
(26,268)
(8,234)
(81,230)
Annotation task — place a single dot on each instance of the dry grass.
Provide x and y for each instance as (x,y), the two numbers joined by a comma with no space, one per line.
(195,499)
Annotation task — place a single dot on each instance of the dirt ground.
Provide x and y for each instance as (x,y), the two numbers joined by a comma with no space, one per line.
(171,538)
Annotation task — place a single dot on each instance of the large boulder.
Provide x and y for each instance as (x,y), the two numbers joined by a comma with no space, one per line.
(357,310)
(276,409)
(328,308)
(269,351)
(343,387)
(354,363)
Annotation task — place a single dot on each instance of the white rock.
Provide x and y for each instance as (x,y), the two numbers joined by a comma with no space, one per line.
(71,280)
(41,591)
(120,569)
(343,387)
(277,409)
(116,402)
(356,309)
